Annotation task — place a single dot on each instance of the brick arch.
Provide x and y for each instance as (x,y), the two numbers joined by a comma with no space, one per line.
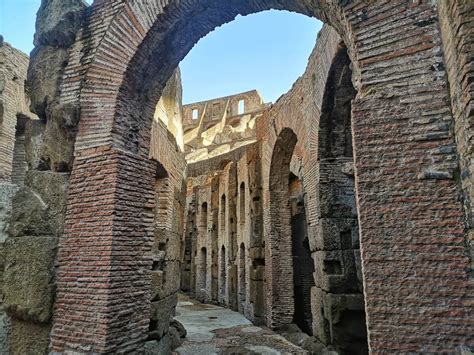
(278,261)
(104,78)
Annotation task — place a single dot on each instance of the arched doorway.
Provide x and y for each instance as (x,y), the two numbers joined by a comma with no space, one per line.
(303,264)
(117,94)
(338,255)
(280,306)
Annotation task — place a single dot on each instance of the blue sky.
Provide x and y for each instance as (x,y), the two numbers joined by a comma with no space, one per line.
(265,51)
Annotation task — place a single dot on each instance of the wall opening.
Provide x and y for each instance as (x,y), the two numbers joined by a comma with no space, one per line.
(242,277)
(19,164)
(242,203)
(160,241)
(223,275)
(223,215)
(195,114)
(204,216)
(303,264)
(340,257)
(202,271)
(241,109)
(280,304)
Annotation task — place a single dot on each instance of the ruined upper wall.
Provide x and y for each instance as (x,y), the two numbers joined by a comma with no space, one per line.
(219,126)
(13,103)
(207,113)
(169,109)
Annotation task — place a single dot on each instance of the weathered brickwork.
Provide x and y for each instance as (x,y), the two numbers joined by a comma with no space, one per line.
(381,153)
(14,106)
(456,19)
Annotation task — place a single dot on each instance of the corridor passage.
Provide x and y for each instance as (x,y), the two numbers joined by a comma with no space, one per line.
(215,330)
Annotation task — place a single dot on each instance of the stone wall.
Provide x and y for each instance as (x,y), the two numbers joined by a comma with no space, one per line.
(225,220)
(218,127)
(411,221)
(14,105)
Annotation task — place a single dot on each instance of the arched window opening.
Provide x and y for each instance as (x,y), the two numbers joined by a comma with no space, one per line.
(223,215)
(204,218)
(242,203)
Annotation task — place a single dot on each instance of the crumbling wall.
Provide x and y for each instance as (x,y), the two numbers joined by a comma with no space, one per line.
(14,113)
(404,158)
(250,234)
(169,109)
(169,216)
(38,208)
(14,104)
(218,126)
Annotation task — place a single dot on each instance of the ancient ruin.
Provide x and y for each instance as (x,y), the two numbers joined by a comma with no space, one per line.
(342,212)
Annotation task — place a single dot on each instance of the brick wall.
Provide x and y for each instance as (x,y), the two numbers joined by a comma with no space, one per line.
(411,218)
(457,33)
(13,102)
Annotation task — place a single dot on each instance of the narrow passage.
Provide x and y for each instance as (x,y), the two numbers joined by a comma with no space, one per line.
(215,330)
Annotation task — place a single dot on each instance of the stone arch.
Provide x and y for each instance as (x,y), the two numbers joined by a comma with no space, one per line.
(106,68)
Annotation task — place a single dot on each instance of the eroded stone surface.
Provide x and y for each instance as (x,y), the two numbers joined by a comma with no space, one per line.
(28,278)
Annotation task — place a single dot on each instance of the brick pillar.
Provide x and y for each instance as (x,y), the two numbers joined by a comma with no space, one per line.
(103,288)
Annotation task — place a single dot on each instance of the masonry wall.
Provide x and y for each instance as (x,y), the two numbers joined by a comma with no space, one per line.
(457,33)
(219,127)
(412,225)
(169,213)
(230,229)
(13,103)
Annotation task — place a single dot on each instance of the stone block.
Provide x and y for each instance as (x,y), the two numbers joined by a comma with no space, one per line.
(158,347)
(336,234)
(345,316)
(258,274)
(59,138)
(40,206)
(29,278)
(34,134)
(160,314)
(171,280)
(29,338)
(335,271)
(5,330)
(320,324)
(169,242)
(44,77)
(58,21)
(156,284)
(7,192)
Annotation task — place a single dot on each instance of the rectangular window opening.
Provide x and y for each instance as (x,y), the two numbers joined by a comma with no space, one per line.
(241,107)
(195,114)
